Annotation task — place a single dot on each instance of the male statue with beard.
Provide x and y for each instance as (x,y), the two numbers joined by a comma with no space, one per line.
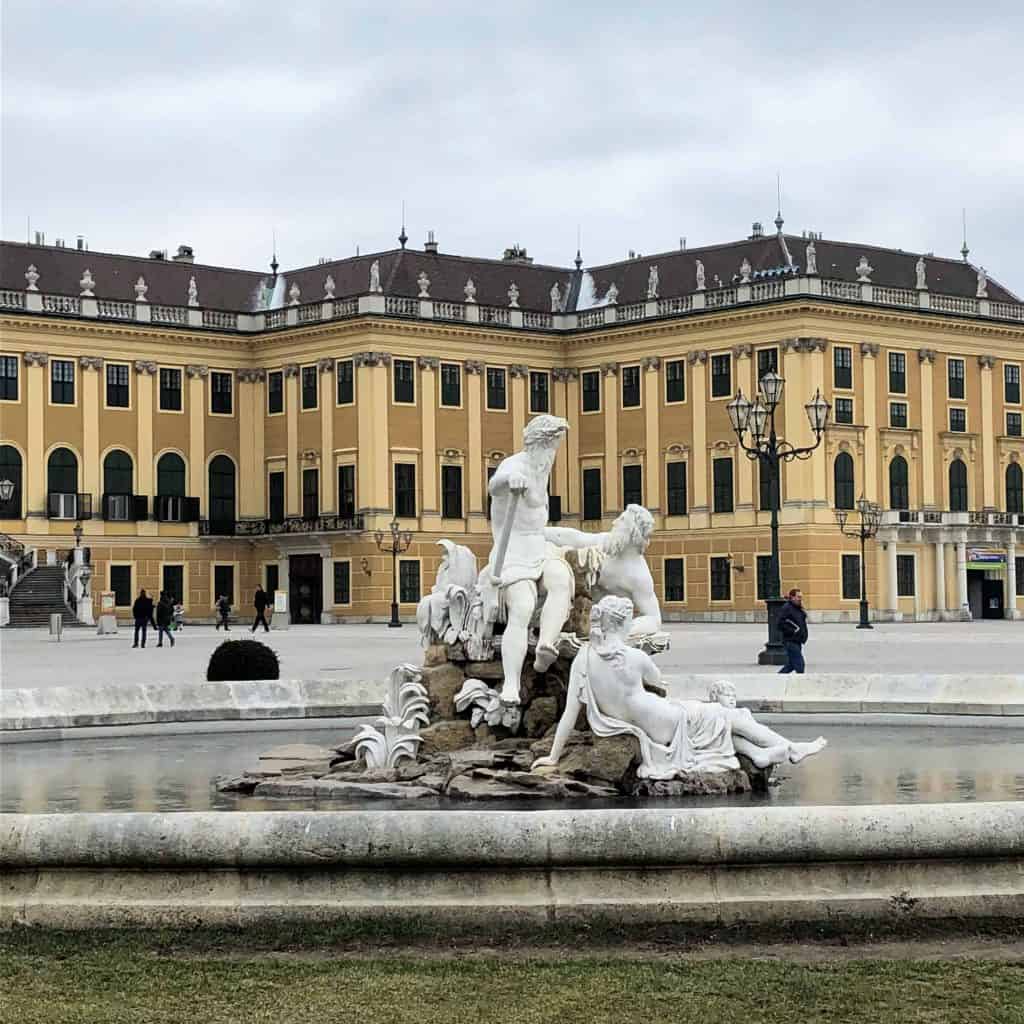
(523,566)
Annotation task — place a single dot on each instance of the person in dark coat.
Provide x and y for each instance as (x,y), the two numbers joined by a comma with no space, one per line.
(260,603)
(793,627)
(164,615)
(223,611)
(142,612)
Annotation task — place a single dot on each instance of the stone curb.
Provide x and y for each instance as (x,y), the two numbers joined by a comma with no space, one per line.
(73,707)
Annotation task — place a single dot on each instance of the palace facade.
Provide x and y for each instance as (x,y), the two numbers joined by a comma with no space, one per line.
(212,429)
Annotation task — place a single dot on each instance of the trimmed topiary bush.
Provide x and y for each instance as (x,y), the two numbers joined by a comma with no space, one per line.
(236,660)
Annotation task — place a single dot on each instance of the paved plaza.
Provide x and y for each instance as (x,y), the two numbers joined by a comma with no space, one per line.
(29,658)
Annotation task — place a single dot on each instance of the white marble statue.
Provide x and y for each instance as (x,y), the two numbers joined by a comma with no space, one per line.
(31,276)
(513,296)
(745,271)
(442,615)
(140,289)
(700,276)
(864,270)
(921,272)
(294,294)
(470,290)
(193,292)
(406,709)
(424,285)
(523,566)
(613,294)
(556,298)
(616,565)
(982,283)
(329,287)
(375,287)
(811,258)
(675,737)
(653,282)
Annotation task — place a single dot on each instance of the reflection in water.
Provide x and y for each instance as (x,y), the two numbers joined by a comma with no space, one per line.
(863,764)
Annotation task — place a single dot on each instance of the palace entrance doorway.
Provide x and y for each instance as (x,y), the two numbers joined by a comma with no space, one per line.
(305,588)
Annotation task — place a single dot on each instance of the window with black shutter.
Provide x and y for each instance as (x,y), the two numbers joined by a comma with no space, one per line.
(592,493)
(1013,424)
(675,381)
(955,378)
(899,485)
(345,371)
(630,387)
(405,385)
(117,486)
(1011,383)
(347,490)
(958,421)
(1020,575)
(310,399)
(408,581)
(843,480)
(343,582)
(676,496)
(8,379)
(851,577)
(897,373)
(764,577)
(451,385)
(275,497)
(275,392)
(1015,488)
(897,414)
(405,490)
(273,578)
(590,386)
(497,397)
(539,392)
(220,393)
(632,485)
(721,376)
(224,582)
(844,410)
(451,492)
(842,367)
(62,382)
(905,575)
(310,493)
(121,585)
(721,580)
(170,390)
(767,361)
(722,475)
(675,579)
(957,486)
(117,385)
(172,582)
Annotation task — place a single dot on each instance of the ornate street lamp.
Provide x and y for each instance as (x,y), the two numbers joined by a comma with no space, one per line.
(754,426)
(77,531)
(6,490)
(395,541)
(870,518)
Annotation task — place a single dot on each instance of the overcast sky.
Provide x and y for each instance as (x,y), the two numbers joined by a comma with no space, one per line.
(216,122)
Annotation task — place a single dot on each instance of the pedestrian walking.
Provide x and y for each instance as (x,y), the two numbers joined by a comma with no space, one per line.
(223,611)
(793,627)
(142,613)
(260,602)
(164,616)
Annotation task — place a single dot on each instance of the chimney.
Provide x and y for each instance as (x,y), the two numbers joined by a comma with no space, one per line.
(430,245)
(757,229)
(516,254)
(81,243)
(184,254)
(158,254)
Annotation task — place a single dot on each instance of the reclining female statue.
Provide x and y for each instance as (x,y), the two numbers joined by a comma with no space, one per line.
(608,677)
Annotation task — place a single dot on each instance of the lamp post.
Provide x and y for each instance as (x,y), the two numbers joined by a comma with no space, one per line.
(396,540)
(754,425)
(77,531)
(870,518)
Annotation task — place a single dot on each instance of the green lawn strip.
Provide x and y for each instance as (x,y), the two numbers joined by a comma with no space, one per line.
(111,984)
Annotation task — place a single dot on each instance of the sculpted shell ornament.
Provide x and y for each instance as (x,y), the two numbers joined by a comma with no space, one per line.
(406,709)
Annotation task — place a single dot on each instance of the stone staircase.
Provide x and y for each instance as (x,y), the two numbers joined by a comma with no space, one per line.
(38,595)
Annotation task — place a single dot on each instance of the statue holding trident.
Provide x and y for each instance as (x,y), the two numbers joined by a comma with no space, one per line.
(523,566)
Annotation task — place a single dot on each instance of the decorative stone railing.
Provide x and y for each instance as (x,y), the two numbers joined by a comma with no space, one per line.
(735,294)
(937,517)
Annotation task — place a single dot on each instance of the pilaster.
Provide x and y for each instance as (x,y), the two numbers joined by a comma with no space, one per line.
(744,467)
(651,369)
(250,424)
(699,471)
(518,375)
(575,473)
(797,488)
(612,484)
(328,474)
(559,403)
(35,409)
(292,478)
(428,366)
(90,375)
(477,471)
(985,429)
(818,467)
(145,378)
(197,375)
(869,364)
(926,357)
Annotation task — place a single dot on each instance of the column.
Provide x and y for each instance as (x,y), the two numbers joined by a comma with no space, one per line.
(988,454)
(890,569)
(963,606)
(328,474)
(869,358)
(699,461)
(651,369)
(145,374)
(1011,580)
(940,579)
(572,405)
(744,373)
(927,358)
(259,445)
(428,366)
(518,375)
(475,458)
(612,485)
(197,434)
(90,376)
(292,477)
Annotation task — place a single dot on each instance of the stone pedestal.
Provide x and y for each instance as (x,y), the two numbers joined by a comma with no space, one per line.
(107,624)
(5,611)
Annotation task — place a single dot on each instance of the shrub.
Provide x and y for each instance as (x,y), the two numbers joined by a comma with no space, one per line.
(242,659)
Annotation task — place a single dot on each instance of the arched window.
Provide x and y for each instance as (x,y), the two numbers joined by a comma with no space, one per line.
(957,486)
(62,472)
(222,492)
(843,475)
(170,476)
(117,473)
(899,486)
(1015,489)
(10,472)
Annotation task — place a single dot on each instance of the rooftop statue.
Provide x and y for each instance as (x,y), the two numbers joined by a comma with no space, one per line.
(700,276)
(652,283)
(556,298)
(982,283)
(375,287)
(811,258)
(920,271)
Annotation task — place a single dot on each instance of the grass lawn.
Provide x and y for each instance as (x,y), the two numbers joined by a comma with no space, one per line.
(104,977)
